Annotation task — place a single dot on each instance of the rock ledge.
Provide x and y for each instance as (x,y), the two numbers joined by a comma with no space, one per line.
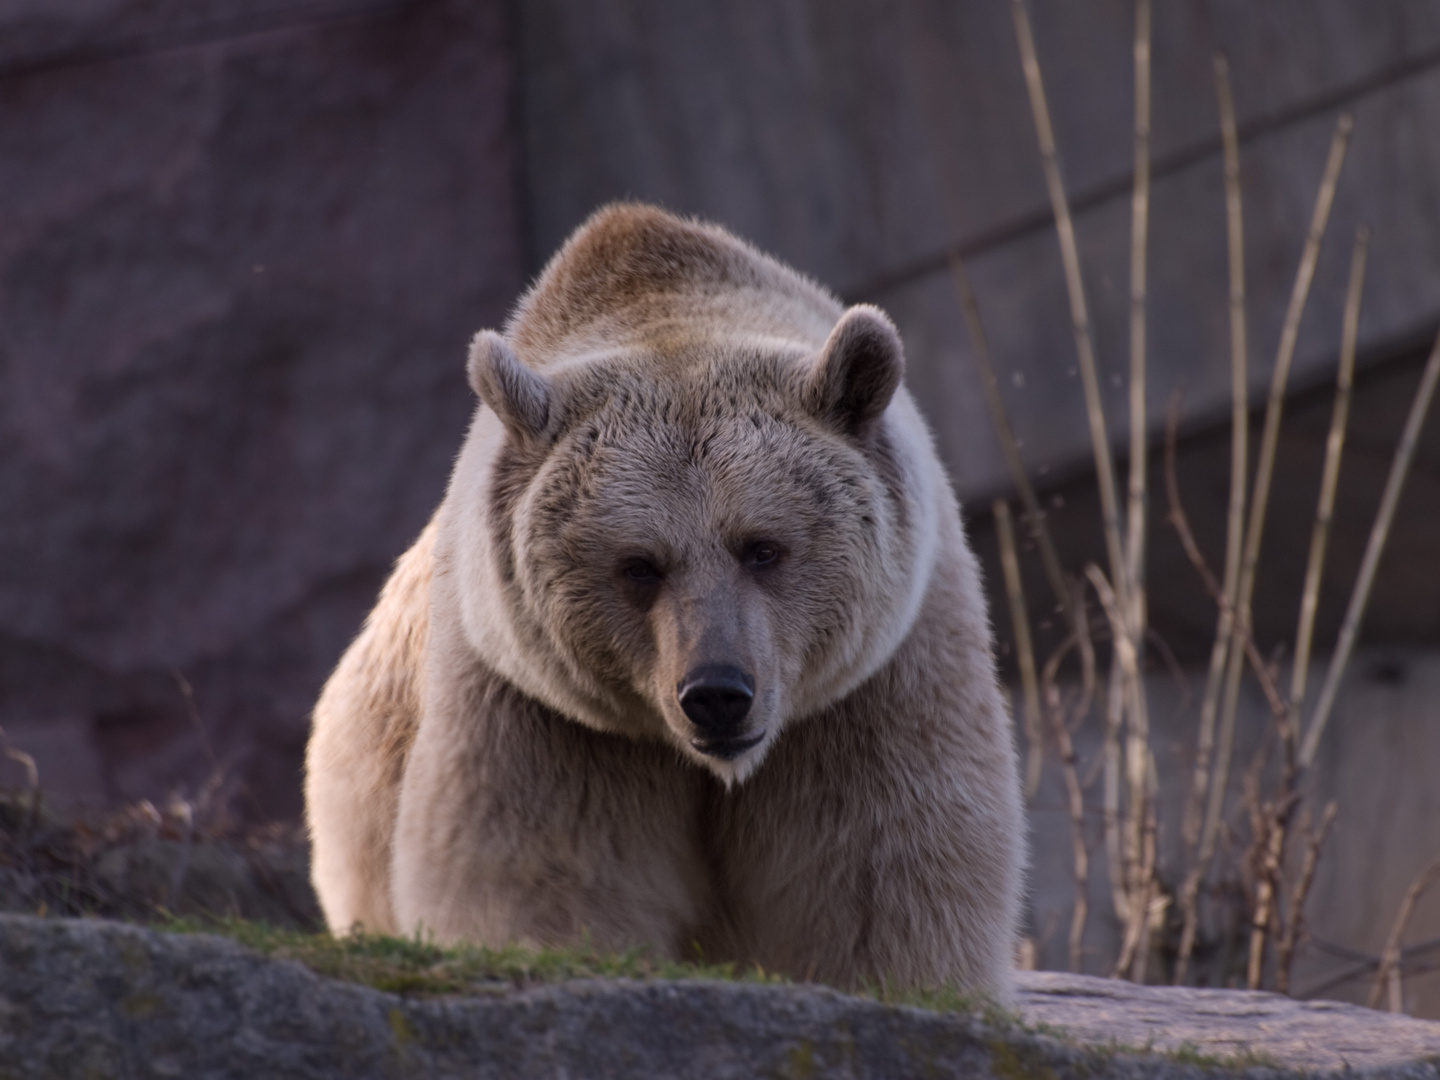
(97,999)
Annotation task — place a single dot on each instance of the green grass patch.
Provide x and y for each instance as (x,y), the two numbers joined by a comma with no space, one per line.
(420,968)
(417,967)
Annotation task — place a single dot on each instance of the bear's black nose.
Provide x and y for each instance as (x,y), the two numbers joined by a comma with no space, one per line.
(717,698)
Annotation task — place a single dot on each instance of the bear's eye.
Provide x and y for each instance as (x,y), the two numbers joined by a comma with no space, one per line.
(640,572)
(761,553)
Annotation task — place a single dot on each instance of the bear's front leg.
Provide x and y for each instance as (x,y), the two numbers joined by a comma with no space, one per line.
(517,824)
(882,841)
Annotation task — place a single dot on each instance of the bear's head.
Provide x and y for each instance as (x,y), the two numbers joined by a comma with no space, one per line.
(701,538)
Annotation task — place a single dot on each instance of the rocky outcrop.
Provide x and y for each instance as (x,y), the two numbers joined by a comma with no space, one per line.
(105,1000)
(243,247)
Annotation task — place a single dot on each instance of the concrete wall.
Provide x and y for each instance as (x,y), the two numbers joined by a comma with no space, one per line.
(862,141)
(1405,603)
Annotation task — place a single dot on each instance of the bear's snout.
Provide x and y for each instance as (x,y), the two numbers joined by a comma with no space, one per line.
(717,698)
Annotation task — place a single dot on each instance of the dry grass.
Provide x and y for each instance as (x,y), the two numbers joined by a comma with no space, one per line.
(142,863)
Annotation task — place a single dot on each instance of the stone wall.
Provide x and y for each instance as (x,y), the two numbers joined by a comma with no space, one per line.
(242,249)
(863,141)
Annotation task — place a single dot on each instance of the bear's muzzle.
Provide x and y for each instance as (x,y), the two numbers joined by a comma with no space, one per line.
(716,698)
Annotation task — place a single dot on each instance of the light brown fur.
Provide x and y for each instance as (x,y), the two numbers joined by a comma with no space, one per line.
(502,755)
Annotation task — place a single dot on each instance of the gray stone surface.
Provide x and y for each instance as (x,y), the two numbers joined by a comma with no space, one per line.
(100,1000)
(242,249)
(1311,1035)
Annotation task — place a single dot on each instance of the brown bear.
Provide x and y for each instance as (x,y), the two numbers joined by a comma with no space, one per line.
(694,654)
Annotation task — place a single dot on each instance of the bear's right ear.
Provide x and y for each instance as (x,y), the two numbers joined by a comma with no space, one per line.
(519,396)
(858,371)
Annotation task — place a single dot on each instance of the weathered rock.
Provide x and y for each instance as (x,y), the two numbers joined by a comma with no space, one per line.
(1318,1035)
(103,1000)
(242,249)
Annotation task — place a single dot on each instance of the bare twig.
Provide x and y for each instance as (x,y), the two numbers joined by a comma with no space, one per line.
(1367,964)
(1181,523)
(1034,513)
(1379,533)
(1138,870)
(32,780)
(1060,725)
(1081,641)
(1025,651)
(1388,977)
(1285,952)
(1305,630)
(1076,807)
(1154,899)
(1134,946)
(1079,311)
(1270,852)
(206,807)
(193,711)
(1135,515)
(1140,766)
(1239,438)
(1111,815)
(1264,473)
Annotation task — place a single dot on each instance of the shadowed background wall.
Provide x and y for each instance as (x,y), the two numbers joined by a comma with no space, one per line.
(241,253)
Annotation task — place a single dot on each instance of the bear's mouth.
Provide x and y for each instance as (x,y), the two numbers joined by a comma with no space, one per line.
(727,749)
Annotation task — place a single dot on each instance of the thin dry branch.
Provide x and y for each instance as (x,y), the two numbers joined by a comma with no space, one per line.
(1139,832)
(1154,899)
(1181,523)
(1134,950)
(1025,650)
(1334,444)
(1138,867)
(1076,808)
(1234,536)
(1270,848)
(1389,977)
(1075,289)
(1379,533)
(1060,725)
(1081,640)
(1135,515)
(1111,815)
(1260,493)
(1285,951)
(1239,451)
(1009,445)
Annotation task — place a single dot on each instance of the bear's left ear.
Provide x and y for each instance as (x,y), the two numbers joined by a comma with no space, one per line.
(857,372)
(520,397)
